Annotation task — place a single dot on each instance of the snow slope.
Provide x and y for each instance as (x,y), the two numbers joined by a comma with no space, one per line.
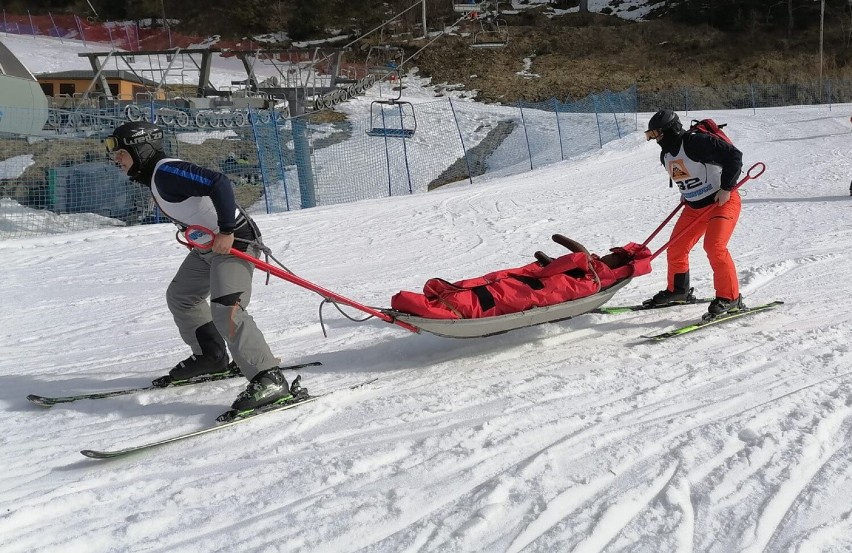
(574,436)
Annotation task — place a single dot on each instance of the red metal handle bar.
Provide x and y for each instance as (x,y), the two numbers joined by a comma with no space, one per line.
(664,223)
(202,238)
(759,165)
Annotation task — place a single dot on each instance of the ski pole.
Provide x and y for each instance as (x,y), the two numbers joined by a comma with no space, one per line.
(202,238)
(759,167)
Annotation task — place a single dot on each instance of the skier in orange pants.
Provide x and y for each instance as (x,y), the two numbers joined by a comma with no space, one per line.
(705,169)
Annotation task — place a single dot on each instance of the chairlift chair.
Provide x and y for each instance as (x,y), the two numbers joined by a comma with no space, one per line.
(467,6)
(392,118)
(493,33)
(384,59)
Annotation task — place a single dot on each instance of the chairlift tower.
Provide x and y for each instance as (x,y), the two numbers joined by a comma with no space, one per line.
(181,64)
(302,73)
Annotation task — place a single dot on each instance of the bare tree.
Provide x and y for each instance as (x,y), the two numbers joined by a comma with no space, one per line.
(849,36)
(789,18)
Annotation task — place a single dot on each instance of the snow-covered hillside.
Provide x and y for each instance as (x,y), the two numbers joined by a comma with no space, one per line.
(574,436)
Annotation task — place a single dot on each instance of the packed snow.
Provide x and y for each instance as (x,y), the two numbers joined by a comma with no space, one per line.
(573,436)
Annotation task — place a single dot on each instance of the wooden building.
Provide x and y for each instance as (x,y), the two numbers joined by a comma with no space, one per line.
(123,85)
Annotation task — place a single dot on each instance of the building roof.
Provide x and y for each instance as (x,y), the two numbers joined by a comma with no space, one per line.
(84,74)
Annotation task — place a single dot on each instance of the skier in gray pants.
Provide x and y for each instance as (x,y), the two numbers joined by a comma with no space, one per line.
(192,195)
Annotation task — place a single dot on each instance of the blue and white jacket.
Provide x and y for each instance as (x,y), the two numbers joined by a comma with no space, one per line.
(189,194)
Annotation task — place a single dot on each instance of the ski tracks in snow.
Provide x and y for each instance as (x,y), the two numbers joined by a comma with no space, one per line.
(572,436)
(650,451)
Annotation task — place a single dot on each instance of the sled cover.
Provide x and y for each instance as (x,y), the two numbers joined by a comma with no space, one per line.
(564,279)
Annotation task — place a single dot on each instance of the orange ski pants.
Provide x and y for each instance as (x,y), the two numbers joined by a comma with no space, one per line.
(716,226)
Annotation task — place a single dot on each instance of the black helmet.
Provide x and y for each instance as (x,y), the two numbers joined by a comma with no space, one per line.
(663,121)
(142,140)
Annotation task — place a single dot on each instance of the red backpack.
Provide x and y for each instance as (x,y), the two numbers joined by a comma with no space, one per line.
(708,126)
(704,126)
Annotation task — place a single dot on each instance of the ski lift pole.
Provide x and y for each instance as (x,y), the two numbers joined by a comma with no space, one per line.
(387,153)
(55,28)
(404,146)
(202,238)
(758,169)
(261,156)
(94,11)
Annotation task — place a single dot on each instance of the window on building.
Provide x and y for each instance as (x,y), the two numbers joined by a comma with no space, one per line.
(67,89)
(47,88)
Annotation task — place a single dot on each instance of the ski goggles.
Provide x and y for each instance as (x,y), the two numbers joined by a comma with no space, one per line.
(111,144)
(653,134)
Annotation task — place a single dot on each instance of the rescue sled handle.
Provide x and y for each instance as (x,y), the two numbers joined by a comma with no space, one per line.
(759,166)
(202,238)
(663,224)
(754,172)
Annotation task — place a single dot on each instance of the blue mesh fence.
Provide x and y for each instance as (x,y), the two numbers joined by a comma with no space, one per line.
(60,179)
(747,96)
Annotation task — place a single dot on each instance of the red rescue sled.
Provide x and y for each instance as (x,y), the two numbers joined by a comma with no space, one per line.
(547,290)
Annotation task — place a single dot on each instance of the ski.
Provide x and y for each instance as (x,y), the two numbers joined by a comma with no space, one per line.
(285,404)
(617,310)
(712,321)
(164,382)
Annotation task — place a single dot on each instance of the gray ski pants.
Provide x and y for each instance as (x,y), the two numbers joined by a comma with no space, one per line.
(227,280)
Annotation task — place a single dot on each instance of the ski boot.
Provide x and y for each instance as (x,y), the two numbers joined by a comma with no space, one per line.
(231,369)
(198,365)
(721,306)
(213,358)
(681,294)
(665,298)
(268,387)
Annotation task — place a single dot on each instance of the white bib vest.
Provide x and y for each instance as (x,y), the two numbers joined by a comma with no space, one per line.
(694,179)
